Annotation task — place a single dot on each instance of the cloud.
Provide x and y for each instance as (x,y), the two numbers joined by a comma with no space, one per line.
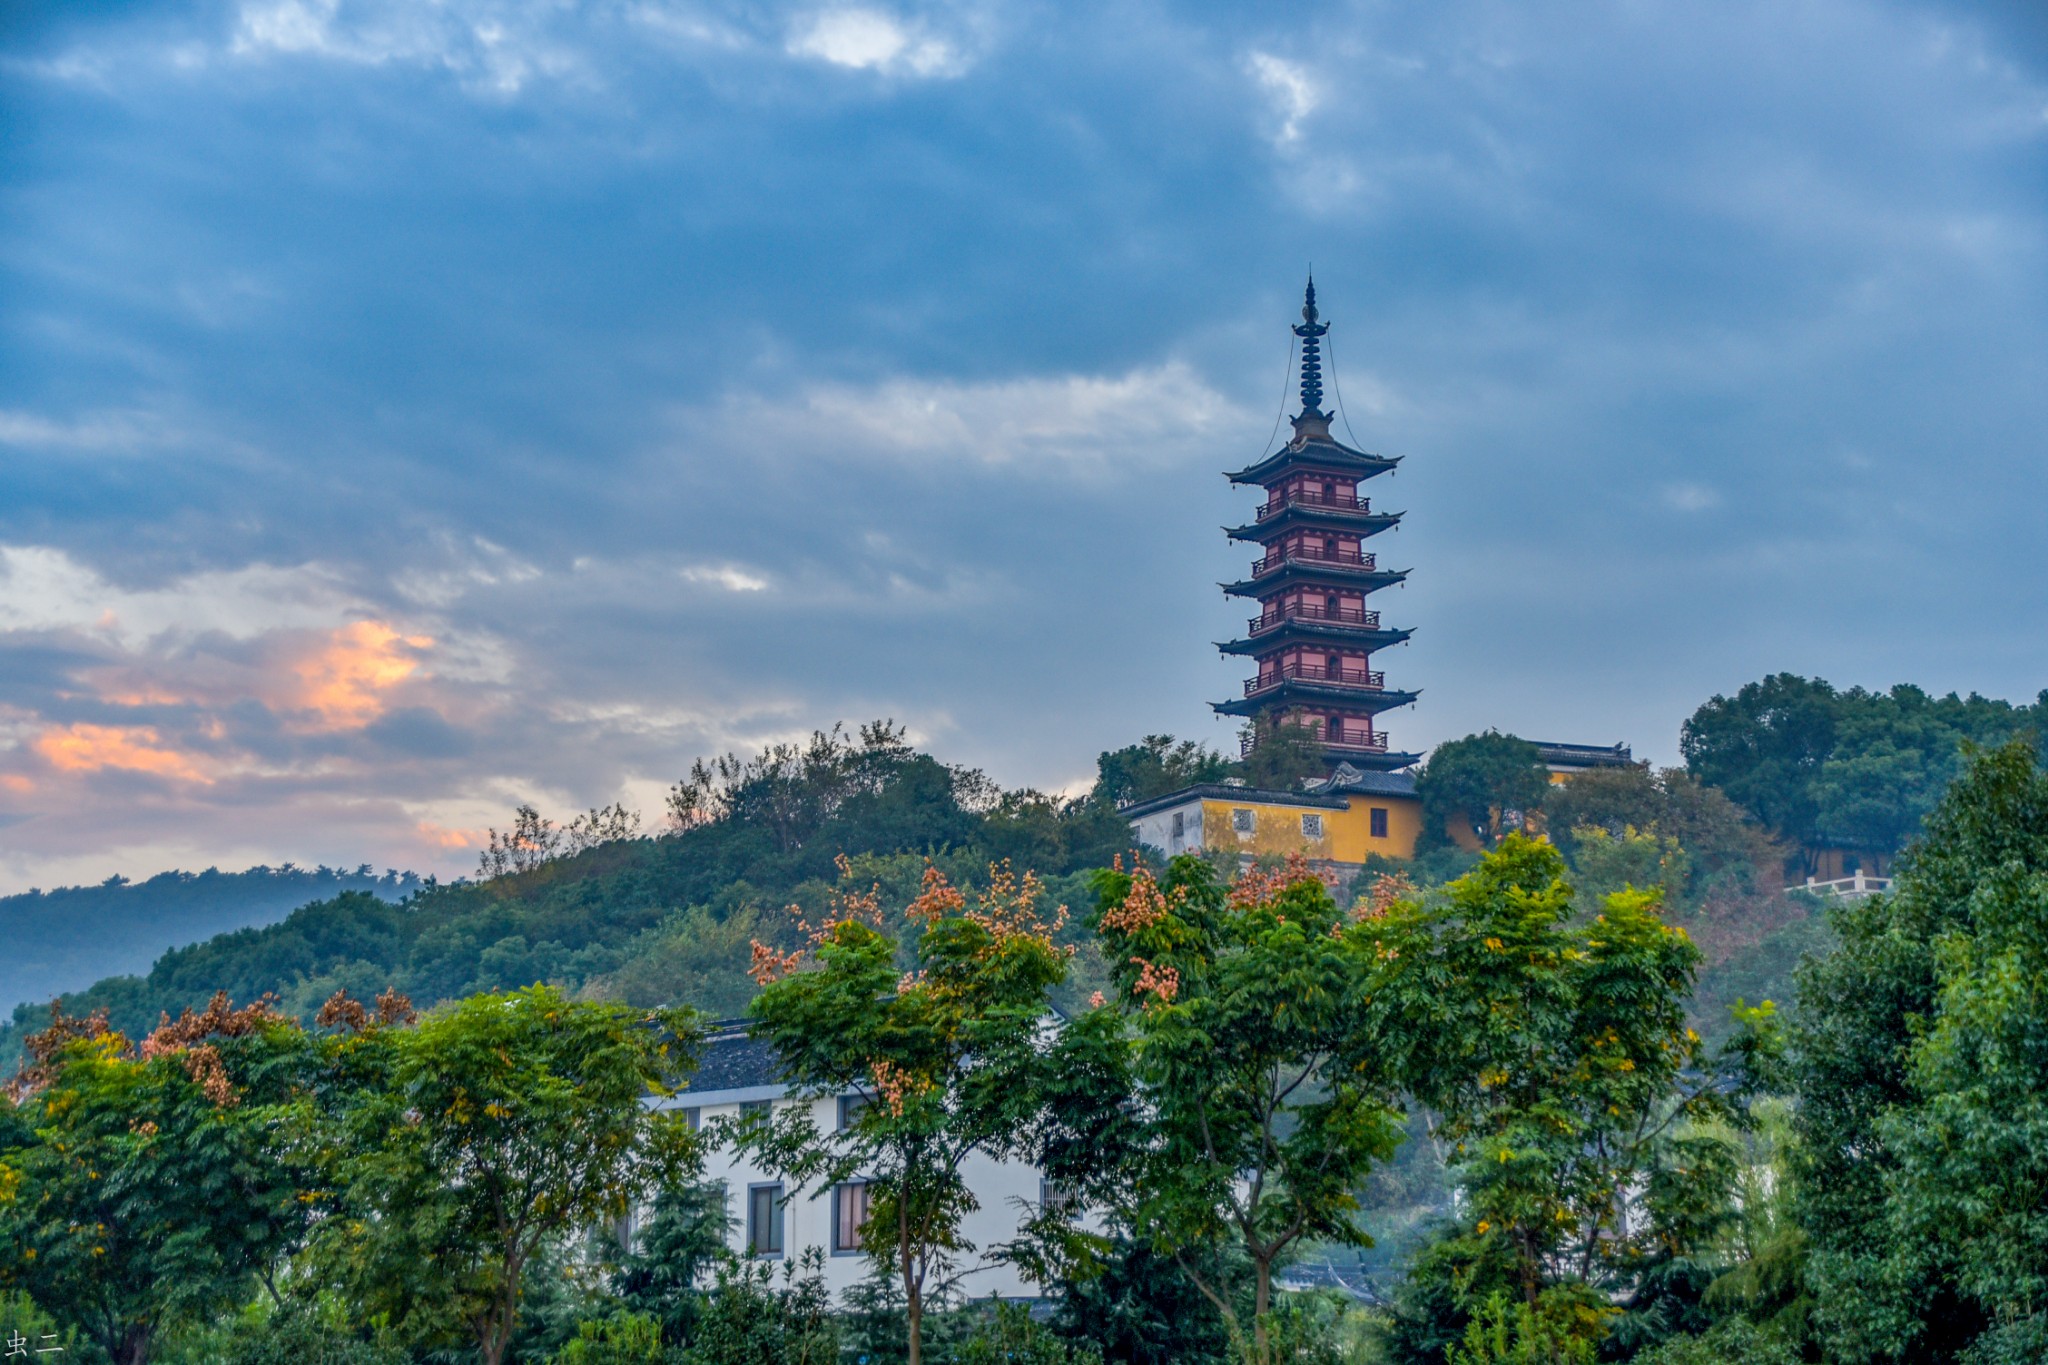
(726,576)
(1037,425)
(346,682)
(869,40)
(1289,89)
(129,748)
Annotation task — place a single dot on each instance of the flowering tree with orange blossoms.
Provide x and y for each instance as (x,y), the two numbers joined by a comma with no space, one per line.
(1220,1126)
(141,1188)
(946,1059)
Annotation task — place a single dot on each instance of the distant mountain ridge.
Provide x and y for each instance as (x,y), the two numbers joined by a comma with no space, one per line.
(63,940)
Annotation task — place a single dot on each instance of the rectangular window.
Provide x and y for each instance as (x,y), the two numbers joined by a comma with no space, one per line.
(1311,826)
(764,1220)
(752,1111)
(849,1216)
(1242,821)
(1054,1197)
(694,1117)
(1180,824)
(1379,822)
(849,1110)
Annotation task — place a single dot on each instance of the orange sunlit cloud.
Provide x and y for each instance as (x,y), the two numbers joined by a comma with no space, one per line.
(440,836)
(133,748)
(345,681)
(16,782)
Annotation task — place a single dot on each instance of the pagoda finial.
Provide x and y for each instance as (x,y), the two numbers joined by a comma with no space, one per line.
(1311,330)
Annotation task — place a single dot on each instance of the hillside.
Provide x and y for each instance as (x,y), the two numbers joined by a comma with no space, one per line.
(647,919)
(58,940)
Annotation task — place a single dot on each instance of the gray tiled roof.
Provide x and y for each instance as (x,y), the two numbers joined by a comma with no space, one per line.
(733,1061)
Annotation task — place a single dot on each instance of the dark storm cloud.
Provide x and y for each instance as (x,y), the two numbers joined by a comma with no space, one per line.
(684,375)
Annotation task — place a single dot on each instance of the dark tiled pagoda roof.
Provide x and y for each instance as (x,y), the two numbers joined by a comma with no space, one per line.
(1315,692)
(1309,516)
(1315,454)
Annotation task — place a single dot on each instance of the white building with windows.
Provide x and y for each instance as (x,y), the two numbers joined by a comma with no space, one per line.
(773,1220)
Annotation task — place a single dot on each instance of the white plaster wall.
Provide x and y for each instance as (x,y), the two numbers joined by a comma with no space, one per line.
(999,1187)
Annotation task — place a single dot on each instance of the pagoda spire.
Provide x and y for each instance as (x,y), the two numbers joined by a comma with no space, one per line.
(1311,331)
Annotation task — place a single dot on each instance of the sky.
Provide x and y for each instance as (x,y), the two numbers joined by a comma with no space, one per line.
(409,410)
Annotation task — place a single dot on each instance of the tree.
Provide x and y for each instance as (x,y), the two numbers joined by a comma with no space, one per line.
(1855,768)
(1247,1130)
(1553,1054)
(1920,1076)
(507,1121)
(1284,752)
(945,1059)
(1725,848)
(1488,783)
(685,1236)
(1764,746)
(1153,767)
(789,789)
(150,1192)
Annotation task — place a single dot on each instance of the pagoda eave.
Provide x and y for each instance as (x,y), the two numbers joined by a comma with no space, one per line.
(1299,518)
(1329,456)
(1364,701)
(1297,574)
(1316,633)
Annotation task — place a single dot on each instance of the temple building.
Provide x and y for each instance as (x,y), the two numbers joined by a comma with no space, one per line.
(1314,637)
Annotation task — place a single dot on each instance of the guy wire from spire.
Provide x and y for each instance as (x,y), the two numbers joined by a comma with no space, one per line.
(1338,389)
(1279,416)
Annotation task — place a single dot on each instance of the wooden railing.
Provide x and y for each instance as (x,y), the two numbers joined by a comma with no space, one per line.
(1364,740)
(1342,502)
(1336,673)
(1349,558)
(1309,611)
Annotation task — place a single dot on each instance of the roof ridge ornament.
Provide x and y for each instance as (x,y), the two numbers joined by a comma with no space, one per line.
(1313,421)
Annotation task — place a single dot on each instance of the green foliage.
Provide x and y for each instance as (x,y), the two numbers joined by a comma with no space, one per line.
(685,1236)
(947,1061)
(1141,1308)
(1487,783)
(1284,754)
(1733,1341)
(1604,863)
(140,1193)
(1154,766)
(1006,1335)
(1246,1134)
(1551,1331)
(1922,1083)
(301,1336)
(750,1320)
(1856,768)
(1553,1052)
(507,1120)
(1723,845)
(631,1339)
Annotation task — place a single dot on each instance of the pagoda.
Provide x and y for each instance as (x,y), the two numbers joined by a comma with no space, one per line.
(1314,637)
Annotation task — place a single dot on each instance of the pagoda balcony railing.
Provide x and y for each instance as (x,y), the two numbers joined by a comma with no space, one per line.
(1308,611)
(1336,673)
(1349,558)
(1343,502)
(1363,740)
